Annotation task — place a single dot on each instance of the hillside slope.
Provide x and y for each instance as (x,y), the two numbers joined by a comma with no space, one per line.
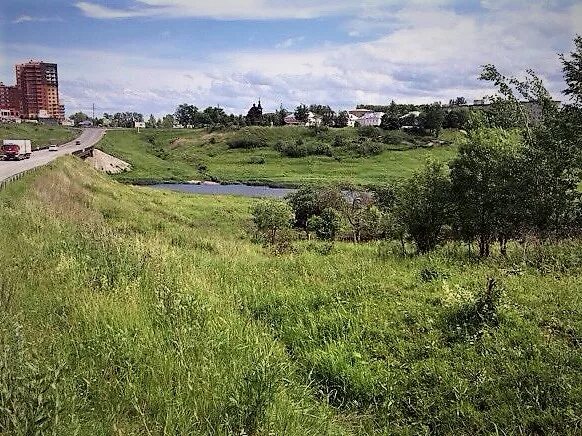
(345,157)
(41,135)
(134,311)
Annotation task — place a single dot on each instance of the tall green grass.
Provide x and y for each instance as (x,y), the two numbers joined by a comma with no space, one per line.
(135,311)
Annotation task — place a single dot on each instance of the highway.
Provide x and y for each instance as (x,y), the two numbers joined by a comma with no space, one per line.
(88,138)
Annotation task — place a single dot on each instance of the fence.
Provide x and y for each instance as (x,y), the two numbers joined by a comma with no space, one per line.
(82,154)
(6,181)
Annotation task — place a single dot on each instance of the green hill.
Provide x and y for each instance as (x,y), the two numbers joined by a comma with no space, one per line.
(136,311)
(327,156)
(41,135)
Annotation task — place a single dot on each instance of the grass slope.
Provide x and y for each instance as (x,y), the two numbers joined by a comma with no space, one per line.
(135,311)
(41,135)
(180,155)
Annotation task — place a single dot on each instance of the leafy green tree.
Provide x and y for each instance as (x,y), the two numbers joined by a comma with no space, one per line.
(342,119)
(302,113)
(305,205)
(271,216)
(432,118)
(572,69)
(456,118)
(486,185)
(326,225)
(79,117)
(151,123)
(186,114)
(423,206)
(168,121)
(390,122)
(280,115)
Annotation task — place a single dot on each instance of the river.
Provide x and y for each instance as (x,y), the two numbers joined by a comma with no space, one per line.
(232,189)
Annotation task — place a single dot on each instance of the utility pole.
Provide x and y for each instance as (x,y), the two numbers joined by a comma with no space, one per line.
(93,112)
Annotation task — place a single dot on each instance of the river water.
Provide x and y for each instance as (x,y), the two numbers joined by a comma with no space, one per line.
(242,190)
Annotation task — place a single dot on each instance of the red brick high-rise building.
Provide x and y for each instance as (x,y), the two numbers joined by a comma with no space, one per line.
(38,84)
(10,99)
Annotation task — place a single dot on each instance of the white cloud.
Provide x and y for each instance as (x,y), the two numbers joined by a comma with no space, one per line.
(240,9)
(29,19)
(290,42)
(429,54)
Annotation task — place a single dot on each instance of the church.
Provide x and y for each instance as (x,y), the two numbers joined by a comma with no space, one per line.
(255,114)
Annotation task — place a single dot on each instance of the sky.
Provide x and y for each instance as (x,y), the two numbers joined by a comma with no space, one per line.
(151,55)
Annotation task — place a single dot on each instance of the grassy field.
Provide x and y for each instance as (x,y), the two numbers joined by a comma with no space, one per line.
(181,155)
(40,134)
(133,311)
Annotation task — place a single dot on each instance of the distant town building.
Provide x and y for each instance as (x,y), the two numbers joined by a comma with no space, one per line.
(255,115)
(9,100)
(38,83)
(291,120)
(371,119)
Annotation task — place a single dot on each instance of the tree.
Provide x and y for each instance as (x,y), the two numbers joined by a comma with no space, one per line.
(305,205)
(326,225)
(271,216)
(423,206)
(151,123)
(432,118)
(186,114)
(459,101)
(487,188)
(79,117)
(280,115)
(167,121)
(342,119)
(456,118)
(302,113)
(572,69)
(390,122)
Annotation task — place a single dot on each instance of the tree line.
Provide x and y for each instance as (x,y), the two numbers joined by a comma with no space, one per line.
(512,179)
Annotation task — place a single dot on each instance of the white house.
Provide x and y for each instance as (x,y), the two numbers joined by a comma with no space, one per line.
(291,120)
(314,120)
(352,119)
(371,119)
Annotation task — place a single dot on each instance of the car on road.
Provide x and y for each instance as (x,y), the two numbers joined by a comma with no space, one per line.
(77,142)
(53,148)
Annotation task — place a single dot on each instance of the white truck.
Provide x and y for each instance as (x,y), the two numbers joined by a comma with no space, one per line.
(16,149)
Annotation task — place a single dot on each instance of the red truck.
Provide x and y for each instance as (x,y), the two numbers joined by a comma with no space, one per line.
(16,149)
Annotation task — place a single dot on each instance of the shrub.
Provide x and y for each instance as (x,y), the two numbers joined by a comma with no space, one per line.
(271,216)
(326,225)
(259,160)
(369,132)
(248,138)
(338,141)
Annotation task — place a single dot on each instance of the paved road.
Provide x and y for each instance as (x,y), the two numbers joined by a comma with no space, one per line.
(88,138)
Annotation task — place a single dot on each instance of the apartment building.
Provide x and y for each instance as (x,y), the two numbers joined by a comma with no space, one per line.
(9,100)
(38,84)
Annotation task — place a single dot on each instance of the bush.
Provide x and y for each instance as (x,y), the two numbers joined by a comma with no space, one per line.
(245,142)
(299,149)
(366,148)
(259,160)
(326,225)
(271,216)
(369,132)
(248,138)
(338,141)
(395,137)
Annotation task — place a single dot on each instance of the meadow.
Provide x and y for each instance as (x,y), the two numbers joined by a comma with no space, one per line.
(41,135)
(131,311)
(182,155)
